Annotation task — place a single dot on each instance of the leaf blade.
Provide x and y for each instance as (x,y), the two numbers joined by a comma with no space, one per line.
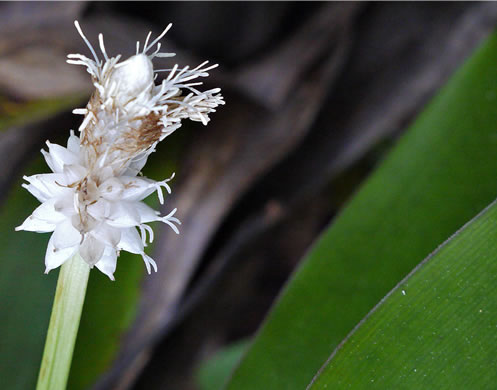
(437,178)
(416,336)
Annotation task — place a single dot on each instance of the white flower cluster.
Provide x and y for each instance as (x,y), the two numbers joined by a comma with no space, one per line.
(92,202)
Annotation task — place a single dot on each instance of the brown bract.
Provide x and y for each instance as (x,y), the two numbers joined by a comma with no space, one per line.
(143,137)
(138,134)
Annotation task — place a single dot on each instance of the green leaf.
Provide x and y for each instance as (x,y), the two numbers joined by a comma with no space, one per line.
(214,372)
(437,329)
(441,173)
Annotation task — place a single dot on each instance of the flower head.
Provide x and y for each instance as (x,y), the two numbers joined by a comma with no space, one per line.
(92,202)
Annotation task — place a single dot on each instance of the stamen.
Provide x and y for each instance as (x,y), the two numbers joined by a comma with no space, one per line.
(170,220)
(102,47)
(164,55)
(153,263)
(150,233)
(143,229)
(157,53)
(143,234)
(146,41)
(149,262)
(158,38)
(175,68)
(76,23)
(87,120)
(158,187)
(199,66)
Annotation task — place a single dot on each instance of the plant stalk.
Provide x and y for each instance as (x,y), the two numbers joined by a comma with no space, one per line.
(64,324)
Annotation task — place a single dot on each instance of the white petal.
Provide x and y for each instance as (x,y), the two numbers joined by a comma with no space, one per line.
(65,206)
(87,224)
(61,156)
(91,250)
(73,143)
(100,210)
(74,173)
(105,173)
(147,213)
(108,234)
(55,256)
(32,224)
(50,162)
(35,192)
(136,165)
(65,235)
(124,214)
(107,263)
(136,188)
(48,185)
(112,189)
(131,241)
(46,212)
(44,218)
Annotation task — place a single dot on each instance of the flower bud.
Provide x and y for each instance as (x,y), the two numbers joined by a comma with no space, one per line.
(132,77)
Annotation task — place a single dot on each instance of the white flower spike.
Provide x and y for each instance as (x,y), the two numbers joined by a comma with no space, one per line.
(92,202)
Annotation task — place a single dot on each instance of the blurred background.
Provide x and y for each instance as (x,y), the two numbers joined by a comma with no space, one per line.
(316,94)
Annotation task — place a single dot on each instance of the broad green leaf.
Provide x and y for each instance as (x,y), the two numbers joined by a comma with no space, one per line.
(437,329)
(441,174)
(214,372)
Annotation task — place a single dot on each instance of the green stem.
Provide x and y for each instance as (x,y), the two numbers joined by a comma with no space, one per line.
(64,323)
